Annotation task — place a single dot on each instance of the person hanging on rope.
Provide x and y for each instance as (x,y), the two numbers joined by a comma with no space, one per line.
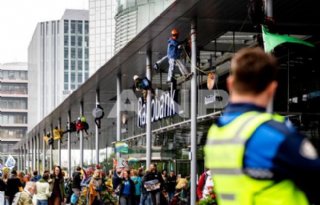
(143,85)
(173,55)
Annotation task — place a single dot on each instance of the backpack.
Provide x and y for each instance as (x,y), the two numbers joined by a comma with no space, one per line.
(16,198)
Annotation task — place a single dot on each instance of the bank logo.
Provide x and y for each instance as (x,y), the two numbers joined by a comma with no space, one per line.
(166,104)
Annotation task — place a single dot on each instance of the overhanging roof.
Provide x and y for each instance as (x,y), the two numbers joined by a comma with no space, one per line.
(213,17)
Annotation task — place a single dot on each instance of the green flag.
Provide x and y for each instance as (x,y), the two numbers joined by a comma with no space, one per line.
(271,40)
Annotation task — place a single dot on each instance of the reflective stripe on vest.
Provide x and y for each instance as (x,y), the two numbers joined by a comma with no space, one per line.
(224,153)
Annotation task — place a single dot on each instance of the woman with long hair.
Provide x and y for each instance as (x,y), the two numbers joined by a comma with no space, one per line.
(43,192)
(57,187)
(127,189)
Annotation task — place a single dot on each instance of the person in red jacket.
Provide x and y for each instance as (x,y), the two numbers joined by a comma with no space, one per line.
(205,185)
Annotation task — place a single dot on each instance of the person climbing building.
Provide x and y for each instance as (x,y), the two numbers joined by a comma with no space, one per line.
(173,56)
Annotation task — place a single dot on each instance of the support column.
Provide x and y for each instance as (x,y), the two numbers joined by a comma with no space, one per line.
(51,150)
(193,105)
(25,157)
(81,137)
(35,153)
(34,140)
(32,153)
(97,129)
(38,152)
(28,155)
(59,144)
(44,153)
(148,113)
(118,110)
(69,143)
(19,160)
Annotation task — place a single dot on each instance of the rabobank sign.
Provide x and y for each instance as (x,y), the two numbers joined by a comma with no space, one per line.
(162,107)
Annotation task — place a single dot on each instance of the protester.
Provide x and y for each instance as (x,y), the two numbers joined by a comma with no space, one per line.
(205,185)
(43,191)
(25,197)
(137,180)
(95,188)
(173,56)
(57,187)
(172,182)
(13,185)
(35,177)
(76,181)
(153,183)
(127,189)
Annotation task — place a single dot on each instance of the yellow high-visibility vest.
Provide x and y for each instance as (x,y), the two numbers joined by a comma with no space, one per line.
(224,153)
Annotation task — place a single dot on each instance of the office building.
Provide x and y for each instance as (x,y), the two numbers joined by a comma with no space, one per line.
(58,60)
(133,16)
(13,104)
(101,32)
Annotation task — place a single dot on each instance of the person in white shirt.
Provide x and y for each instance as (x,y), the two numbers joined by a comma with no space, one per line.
(43,192)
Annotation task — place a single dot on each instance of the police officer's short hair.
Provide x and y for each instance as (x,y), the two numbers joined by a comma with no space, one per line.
(253,70)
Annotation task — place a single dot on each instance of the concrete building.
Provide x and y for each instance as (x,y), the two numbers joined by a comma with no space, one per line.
(58,60)
(133,16)
(101,32)
(13,104)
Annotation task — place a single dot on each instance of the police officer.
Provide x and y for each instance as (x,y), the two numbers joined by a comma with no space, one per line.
(255,156)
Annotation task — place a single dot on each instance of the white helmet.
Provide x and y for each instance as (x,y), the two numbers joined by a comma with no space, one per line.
(135,77)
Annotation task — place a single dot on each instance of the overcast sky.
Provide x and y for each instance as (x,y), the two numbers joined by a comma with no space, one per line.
(18,20)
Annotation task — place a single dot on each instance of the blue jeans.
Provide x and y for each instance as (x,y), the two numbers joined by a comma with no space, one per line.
(145,199)
(42,202)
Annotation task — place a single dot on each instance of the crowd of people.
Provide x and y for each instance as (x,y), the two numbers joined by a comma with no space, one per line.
(92,186)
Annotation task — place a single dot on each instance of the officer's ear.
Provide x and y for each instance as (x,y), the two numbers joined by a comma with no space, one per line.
(271,89)
(230,83)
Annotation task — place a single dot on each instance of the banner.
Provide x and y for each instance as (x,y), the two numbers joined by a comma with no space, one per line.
(122,163)
(11,162)
(271,40)
(121,147)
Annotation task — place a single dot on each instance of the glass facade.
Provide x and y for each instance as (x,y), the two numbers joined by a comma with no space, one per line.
(102,32)
(133,16)
(75,71)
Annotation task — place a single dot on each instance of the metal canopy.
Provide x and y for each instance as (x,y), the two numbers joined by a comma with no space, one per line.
(214,18)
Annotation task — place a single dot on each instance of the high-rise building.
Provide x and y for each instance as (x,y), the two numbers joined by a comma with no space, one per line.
(101,31)
(13,104)
(134,15)
(58,61)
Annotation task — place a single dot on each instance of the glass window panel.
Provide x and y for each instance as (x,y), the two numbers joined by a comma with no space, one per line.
(79,27)
(86,27)
(79,77)
(66,26)
(80,65)
(66,52)
(73,26)
(66,40)
(79,41)
(66,77)
(73,77)
(79,53)
(73,53)
(86,65)
(86,39)
(73,65)
(86,53)
(73,41)
(66,65)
